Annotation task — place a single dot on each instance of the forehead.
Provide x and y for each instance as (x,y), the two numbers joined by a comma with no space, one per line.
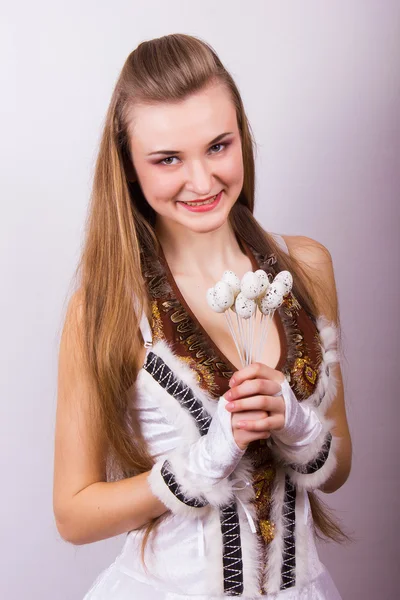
(197,119)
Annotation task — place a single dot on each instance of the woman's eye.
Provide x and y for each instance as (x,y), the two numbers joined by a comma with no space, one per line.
(216,146)
(162,162)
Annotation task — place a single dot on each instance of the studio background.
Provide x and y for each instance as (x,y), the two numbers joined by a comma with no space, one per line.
(321,85)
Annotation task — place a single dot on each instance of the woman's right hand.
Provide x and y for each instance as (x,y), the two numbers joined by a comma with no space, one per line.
(243,437)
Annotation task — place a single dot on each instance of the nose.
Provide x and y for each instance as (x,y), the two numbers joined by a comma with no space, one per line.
(199,178)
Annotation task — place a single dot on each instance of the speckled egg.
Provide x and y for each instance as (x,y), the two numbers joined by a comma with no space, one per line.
(273,298)
(233,280)
(245,307)
(212,302)
(250,285)
(263,282)
(223,295)
(286,278)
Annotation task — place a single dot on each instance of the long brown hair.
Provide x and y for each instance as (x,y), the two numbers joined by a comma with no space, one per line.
(120,227)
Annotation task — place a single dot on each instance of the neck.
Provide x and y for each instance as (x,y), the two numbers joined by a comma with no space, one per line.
(205,255)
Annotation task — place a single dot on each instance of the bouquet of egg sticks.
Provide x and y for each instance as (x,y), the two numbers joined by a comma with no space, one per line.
(253,295)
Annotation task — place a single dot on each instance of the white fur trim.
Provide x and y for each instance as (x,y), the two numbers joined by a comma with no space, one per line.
(301,537)
(252,549)
(163,493)
(312,481)
(327,382)
(274,551)
(217,494)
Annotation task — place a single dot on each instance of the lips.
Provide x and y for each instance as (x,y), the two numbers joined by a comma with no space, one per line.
(198,201)
(204,206)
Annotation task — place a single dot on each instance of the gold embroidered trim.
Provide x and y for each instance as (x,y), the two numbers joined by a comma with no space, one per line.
(156,324)
(205,360)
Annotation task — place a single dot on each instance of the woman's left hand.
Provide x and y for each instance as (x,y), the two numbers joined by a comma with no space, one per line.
(253,388)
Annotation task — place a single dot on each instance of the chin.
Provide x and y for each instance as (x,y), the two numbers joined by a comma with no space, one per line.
(206,225)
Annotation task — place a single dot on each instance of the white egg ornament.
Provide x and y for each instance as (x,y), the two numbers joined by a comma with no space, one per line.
(233,280)
(212,302)
(250,285)
(244,307)
(286,278)
(223,295)
(273,299)
(263,282)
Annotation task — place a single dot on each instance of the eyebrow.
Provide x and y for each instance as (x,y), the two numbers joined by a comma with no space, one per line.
(214,141)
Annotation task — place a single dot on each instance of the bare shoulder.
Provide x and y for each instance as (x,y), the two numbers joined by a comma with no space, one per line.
(316,260)
(307,250)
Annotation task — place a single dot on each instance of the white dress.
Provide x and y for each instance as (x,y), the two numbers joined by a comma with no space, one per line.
(116,584)
(125,578)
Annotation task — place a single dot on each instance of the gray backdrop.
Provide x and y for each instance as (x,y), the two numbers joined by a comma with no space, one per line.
(320,81)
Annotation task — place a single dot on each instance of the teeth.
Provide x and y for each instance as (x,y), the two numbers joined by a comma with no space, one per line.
(201,203)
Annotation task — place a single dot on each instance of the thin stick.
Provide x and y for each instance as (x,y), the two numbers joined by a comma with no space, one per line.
(247,341)
(269,319)
(237,340)
(241,333)
(252,328)
(260,336)
(244,326)
(233,334)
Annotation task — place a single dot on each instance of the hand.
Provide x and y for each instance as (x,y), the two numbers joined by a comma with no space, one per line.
(256,410)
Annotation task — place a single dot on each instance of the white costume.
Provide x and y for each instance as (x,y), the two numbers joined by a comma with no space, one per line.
(206,547)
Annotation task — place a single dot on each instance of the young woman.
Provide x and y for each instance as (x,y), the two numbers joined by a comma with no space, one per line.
(211,468)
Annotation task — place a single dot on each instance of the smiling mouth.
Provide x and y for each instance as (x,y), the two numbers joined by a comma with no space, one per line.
(210,201)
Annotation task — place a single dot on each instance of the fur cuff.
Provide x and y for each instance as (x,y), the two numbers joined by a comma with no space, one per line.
(310,466)
(302,455)
(169,482)
(164,486)
(312,475)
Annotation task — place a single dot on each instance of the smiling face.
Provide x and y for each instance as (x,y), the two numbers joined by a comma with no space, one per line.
(202,157)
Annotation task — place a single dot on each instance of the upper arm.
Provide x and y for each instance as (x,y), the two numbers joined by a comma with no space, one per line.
(317,261)
(79,453)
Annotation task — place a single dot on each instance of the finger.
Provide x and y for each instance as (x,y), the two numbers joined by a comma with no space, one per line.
(272,423)
(268,403)
(254,371)
(249,415)
(257,435)
(253,387)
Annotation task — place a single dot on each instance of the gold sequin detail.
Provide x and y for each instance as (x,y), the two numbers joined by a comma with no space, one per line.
(156,325)
(263,478)
(267,529)
(291,304)
(304,376)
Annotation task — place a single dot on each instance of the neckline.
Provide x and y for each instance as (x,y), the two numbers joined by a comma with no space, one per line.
(179,296)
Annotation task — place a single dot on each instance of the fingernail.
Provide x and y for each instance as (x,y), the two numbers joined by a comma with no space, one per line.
(231,382)
(230,405)
(228,395)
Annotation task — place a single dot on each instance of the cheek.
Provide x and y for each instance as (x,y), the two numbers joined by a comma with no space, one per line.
(232,169)
(157,186)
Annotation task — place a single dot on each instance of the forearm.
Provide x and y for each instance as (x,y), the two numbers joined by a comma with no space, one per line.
(107,509)
(343,467)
